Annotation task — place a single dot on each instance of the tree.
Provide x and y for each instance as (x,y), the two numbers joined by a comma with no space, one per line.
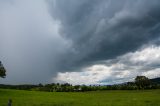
(2,71)
(142,82)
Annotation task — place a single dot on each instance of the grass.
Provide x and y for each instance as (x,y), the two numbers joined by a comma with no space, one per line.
(97,98)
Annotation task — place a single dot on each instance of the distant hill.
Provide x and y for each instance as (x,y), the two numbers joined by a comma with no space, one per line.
(156,80)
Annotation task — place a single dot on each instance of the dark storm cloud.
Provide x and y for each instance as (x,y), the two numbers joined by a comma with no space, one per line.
(39,39)
(105,29)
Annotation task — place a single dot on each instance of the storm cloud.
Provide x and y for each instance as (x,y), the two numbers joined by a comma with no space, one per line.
(124,68)
(46,40)
(101,30)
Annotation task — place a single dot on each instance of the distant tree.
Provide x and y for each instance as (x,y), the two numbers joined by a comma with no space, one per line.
(2,71)
(40,85)
(142,82)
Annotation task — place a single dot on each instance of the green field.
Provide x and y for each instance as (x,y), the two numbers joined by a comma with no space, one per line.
(97,98)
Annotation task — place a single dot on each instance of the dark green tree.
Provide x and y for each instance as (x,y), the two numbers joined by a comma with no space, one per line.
(142,82)
(2,71)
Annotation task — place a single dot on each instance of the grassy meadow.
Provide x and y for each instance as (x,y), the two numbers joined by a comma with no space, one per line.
(96,98)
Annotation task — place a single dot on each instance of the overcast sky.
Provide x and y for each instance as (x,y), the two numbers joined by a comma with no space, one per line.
(79,41)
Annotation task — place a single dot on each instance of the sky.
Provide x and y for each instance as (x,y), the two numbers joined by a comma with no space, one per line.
(79,41)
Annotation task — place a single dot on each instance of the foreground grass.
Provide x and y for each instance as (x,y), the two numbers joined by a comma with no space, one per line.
(97,98)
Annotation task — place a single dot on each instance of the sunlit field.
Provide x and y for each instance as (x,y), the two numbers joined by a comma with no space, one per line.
(96,98)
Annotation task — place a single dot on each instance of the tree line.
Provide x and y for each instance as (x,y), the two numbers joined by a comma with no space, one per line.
(140,83)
